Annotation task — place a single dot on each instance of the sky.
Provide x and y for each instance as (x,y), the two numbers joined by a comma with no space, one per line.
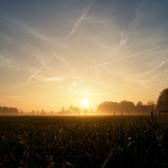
(55,53)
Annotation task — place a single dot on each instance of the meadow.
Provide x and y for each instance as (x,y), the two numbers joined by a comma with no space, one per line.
(84,142)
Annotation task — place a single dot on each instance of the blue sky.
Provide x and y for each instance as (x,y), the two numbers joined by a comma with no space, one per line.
(55,53)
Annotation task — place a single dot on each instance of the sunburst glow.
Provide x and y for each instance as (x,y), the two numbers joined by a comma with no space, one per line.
(85,102)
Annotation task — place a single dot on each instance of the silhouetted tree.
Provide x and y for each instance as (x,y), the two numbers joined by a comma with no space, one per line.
(70,111)
(77,110)
(42,112)
(162,102)
(108,107)
(127,106)
(8,111)
(152,105)
(139,103)
(143,109)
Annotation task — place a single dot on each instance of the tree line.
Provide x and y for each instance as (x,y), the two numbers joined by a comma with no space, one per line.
(113,108)
(128,107)
(8,111)
(125,108)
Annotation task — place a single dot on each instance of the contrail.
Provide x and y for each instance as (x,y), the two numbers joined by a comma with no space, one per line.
(160,65)
(77,24)
(43,66)
(156,67)
(123,58)
(79,21)
(34,74)
(161,72)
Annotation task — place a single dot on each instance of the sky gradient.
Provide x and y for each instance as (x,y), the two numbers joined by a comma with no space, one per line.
(54,53)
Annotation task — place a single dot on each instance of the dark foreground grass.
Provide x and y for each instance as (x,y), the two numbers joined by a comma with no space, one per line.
(83,142)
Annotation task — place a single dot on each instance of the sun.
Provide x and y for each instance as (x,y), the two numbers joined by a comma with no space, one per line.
(85,102)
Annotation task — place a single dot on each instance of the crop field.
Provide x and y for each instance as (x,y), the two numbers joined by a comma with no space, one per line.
(84,142)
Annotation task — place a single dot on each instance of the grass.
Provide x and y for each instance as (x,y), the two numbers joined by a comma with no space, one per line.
(83,142)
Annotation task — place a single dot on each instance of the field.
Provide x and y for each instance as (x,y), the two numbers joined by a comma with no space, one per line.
(81,142)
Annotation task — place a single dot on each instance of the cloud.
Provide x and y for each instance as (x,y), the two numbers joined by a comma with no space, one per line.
(35,33)
(73,84)
(8,62)
(50,79)
(124,39)
(155,69)
(42,61)
(5,61)
(123,58)
(34,74)
(37,71)
(79,21)
(159,73)
(44,65)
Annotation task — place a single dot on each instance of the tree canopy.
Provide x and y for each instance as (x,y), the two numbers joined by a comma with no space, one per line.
(8,111)
(124,108)
(162,102)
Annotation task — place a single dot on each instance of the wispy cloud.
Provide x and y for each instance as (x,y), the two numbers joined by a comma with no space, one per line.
(5,61)
(159,73)
(73,84)
(34,74)
(8,62)
(44,65)
(35,33)
(123,39)
(50,79)
(155,69)
(123,58)
(42,61)
(79,21)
